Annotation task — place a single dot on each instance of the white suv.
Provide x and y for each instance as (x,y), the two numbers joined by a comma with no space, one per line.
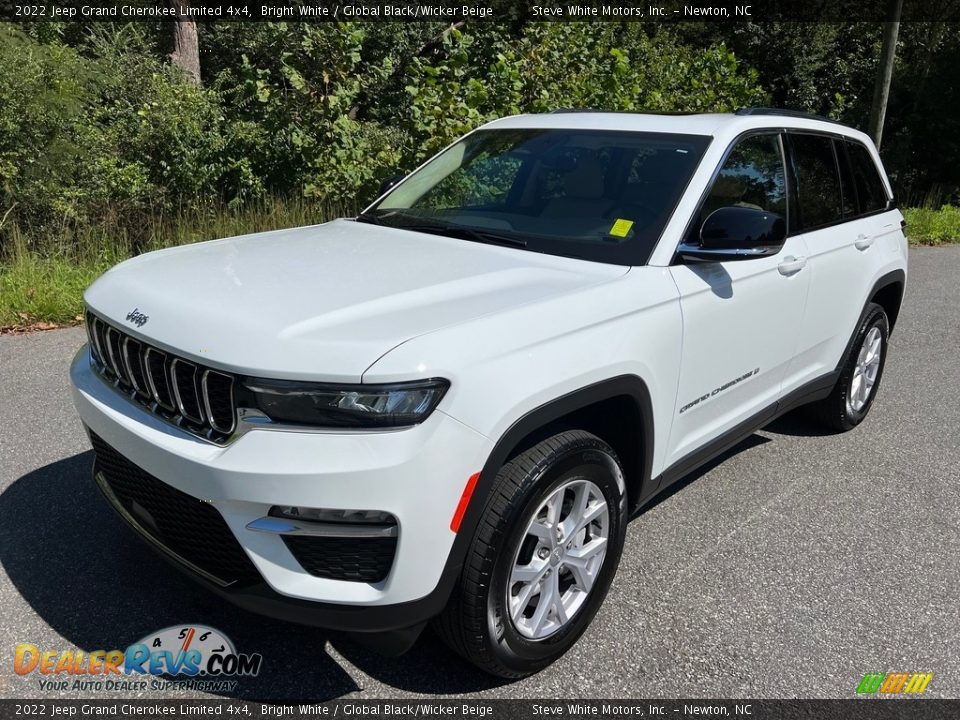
(448,407)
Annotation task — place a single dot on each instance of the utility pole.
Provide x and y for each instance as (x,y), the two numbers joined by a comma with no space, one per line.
(888,53)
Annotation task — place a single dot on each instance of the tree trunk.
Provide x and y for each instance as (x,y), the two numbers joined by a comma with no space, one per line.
(888,53)
(186,44)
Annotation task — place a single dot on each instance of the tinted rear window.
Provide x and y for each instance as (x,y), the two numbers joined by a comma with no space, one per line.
(818,184)
(870,188)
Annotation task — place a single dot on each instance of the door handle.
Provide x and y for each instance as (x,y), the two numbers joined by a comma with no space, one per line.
(791,265)
(863,242)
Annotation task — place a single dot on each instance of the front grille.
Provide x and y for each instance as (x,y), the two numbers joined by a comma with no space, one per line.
(189,528)
(194,397)
(356,559)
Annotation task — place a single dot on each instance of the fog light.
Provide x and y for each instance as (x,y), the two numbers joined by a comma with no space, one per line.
(366,517)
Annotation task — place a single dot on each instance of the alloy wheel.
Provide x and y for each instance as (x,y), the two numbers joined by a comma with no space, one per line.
(559,559)
(865,371)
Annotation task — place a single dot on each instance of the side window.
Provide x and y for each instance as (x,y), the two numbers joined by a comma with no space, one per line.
(848,194)
(870,188)
(817,180)
(752,176)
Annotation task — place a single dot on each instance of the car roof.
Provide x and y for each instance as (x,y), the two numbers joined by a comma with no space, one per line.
(720,125)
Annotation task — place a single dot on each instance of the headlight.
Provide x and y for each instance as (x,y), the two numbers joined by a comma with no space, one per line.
(346,406)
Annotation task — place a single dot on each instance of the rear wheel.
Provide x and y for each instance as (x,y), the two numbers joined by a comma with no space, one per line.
(853,395)
(543,557)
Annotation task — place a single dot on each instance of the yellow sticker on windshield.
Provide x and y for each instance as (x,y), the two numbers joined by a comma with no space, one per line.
(621,227)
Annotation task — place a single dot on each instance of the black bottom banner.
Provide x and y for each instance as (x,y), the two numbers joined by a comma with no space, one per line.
(854,709)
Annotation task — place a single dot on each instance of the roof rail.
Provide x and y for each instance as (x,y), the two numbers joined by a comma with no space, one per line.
(785,112)
(560,111)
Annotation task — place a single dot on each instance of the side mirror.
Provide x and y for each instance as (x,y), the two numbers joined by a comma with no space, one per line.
(389,183)
(738,233)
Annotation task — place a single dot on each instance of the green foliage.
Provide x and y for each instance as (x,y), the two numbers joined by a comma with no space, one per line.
(105,150)
(819,67)
(96,129)
(921,142)
(84,141)
(927,226)
(302,99)
(604,66)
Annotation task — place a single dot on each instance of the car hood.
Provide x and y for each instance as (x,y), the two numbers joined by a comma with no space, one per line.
(323,302)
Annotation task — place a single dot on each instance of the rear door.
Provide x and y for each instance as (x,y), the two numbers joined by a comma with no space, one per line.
(740,318)
(842,203)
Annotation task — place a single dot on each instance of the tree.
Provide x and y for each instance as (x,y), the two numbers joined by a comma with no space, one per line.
(186,44)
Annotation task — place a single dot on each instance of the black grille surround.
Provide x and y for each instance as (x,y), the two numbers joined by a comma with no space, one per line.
(352,559)
(199,399)
(190,530)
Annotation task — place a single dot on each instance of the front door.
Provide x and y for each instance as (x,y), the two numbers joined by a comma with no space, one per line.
(740,318)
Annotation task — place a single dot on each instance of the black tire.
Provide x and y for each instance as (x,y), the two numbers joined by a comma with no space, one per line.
(476,623)
(834,411)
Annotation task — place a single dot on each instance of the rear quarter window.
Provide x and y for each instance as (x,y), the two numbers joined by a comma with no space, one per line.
(866,178)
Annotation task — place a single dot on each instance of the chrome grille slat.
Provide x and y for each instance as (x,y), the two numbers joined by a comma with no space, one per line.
(90,319)
(133,362)
(217,390)
(198,399)
(186,390)
(114,348)
(99,331)
(158,378)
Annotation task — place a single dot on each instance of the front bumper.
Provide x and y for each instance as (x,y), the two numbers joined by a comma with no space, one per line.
(416,474)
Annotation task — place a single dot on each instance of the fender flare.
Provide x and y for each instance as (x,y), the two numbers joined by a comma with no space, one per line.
(890,278)
(630,386)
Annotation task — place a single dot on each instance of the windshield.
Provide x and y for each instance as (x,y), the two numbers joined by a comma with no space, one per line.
(590,194)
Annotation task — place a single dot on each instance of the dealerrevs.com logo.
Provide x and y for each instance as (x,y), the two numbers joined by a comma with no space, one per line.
(895,683)
(193,656)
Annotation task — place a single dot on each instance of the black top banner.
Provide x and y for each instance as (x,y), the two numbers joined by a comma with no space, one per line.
(450,11)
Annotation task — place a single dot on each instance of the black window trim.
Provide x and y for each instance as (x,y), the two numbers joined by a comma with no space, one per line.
(891,202)
(705,195)
(842,143)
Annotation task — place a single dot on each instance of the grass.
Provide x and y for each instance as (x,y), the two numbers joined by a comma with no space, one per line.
(927,226)
(37,291)
(43,275)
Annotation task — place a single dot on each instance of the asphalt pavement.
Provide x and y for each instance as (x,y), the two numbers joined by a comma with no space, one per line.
(788,568)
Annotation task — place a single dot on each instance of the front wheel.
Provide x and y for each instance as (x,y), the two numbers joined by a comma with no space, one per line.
(543,557)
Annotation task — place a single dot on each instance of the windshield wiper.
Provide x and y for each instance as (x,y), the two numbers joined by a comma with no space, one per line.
(457,231)
(465,233)
(485,236)
(368,218)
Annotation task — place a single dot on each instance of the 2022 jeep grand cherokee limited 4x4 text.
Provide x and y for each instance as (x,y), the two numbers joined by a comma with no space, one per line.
(447,407)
